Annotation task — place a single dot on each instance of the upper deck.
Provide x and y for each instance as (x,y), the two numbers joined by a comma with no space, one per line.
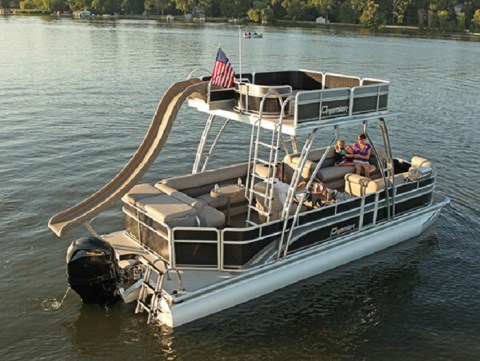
(303,99)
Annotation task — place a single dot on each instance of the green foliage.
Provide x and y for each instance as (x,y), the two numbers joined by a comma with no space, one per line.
(347,13)
(369,13)
(461,21)
(294,8)
(35,4)
(476,20)
(234,8)
(185,6)
(442,17)
(431,14)
(79,5)
(324,7)
(105,6)
(254,15)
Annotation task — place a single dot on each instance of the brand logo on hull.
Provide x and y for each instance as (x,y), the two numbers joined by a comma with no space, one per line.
(336,231)
(334,111)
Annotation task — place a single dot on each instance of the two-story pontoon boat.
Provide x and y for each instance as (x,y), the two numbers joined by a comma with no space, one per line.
(199,243)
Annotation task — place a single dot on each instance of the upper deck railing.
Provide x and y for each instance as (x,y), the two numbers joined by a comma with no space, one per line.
(311,96)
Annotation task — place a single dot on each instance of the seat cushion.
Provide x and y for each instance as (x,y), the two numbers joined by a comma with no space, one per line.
(212,217)
(140,192)
(170,210)
(330,174)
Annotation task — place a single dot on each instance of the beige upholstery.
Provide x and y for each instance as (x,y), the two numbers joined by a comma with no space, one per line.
(139,192)
(220,202)
(212,217)
(420,162)
(263,170)
(169,210)
(357,185)
(329,173)
(201,183)
(209,217)
(277,201)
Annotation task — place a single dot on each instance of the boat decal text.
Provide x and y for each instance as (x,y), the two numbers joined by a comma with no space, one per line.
(339,230)
(337,110)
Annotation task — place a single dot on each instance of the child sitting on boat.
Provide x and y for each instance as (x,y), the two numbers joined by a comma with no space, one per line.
(341,151)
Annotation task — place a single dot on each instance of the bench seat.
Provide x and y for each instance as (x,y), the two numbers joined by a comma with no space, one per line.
(170,210)
(172,207)
(329,173)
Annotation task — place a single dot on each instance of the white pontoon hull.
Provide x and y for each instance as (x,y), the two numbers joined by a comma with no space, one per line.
(274,276)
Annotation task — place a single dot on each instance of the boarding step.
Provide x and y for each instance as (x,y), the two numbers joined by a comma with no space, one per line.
(261,212)
(149,293)
(269,180)
(267,145)
(265,162)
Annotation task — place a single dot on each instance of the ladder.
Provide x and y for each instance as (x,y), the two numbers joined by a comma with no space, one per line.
(151,289)
(149,294)
(268,158)
(293,192)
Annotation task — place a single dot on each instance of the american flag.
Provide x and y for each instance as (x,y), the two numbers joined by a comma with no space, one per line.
(223,73)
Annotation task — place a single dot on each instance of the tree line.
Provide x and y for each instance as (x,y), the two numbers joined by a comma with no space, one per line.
(445,15)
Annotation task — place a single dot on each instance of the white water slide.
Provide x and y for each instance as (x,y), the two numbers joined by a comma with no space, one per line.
(143,158)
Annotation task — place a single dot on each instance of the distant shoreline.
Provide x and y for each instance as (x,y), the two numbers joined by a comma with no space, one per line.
(392,30)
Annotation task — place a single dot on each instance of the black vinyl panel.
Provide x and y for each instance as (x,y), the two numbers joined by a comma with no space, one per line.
(320,213)
(298,80)
(196,254)
(367,219)
(325,233)
(274,227)
(157,226)
(406,187)
(195,235)
(426,182)
(382,214)
(129,209)
(413,203)
(236,255)
(383,102)
(343,207)
(370,198)
(382,194)
(241,235)
(365,104)
(131,226)
(218,95)
(156,243)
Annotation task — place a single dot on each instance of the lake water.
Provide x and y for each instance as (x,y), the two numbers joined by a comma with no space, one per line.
(76,99)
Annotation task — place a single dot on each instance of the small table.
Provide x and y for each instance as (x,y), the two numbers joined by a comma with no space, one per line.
(227,192)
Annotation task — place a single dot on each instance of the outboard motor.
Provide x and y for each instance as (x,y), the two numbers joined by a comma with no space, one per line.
(92,270)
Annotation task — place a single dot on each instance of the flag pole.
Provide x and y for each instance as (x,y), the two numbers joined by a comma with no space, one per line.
(240,50)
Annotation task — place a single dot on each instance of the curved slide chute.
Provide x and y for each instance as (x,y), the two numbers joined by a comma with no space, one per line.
(143,158)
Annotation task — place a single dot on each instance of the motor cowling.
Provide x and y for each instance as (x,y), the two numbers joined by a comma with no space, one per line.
(92,270)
